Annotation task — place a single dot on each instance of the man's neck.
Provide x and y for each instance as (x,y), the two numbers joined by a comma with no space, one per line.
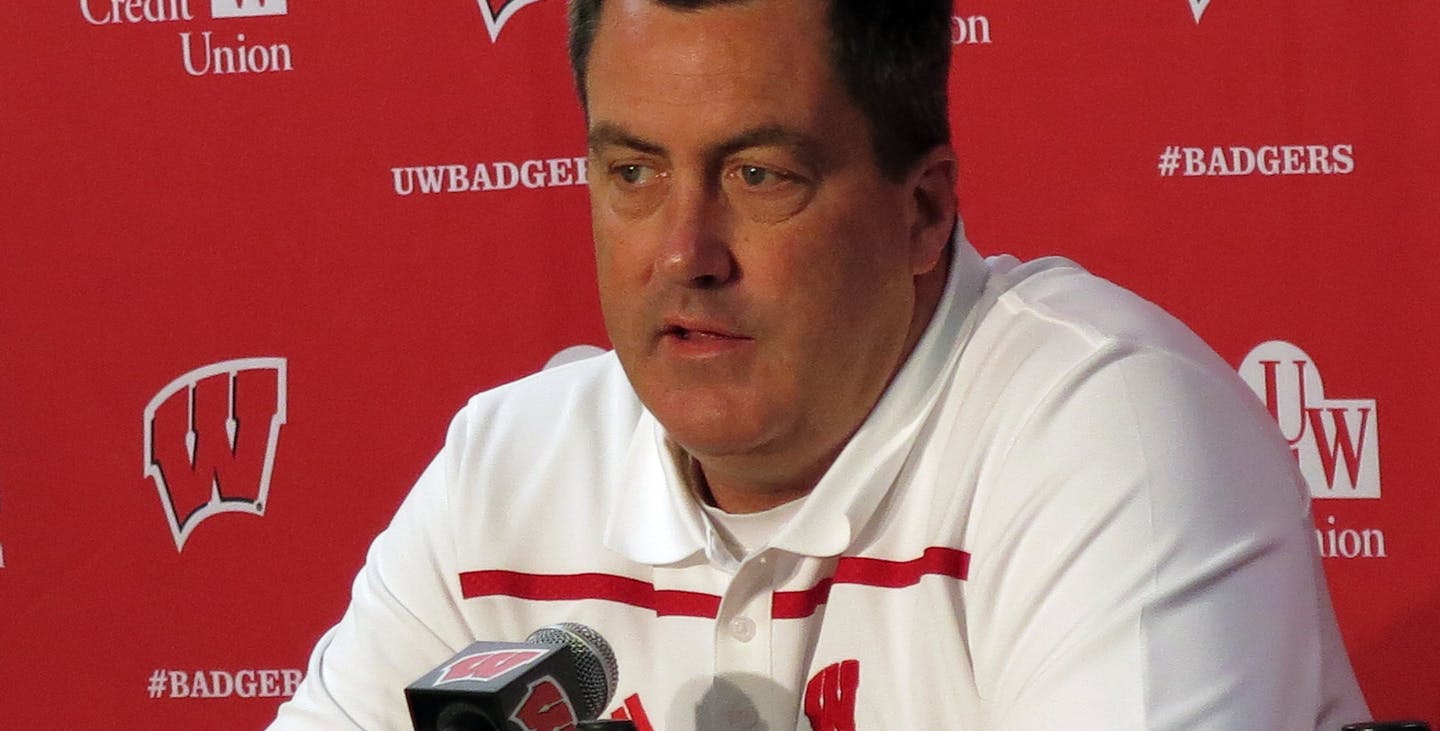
(735,494)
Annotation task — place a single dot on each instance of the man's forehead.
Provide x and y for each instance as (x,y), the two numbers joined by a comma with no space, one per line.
(627,8)
(790,22)
(705,83)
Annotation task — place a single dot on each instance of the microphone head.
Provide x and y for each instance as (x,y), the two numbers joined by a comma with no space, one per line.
(596,671)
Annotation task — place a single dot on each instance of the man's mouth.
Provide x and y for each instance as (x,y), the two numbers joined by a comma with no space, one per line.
(700,332)
(685,333)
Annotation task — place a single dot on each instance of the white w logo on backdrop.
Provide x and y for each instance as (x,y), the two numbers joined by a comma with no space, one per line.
(498,12)
(1198,8)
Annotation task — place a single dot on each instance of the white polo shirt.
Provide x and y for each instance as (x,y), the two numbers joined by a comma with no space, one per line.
(1065,512)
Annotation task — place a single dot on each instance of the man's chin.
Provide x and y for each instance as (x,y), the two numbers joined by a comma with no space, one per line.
(710,444)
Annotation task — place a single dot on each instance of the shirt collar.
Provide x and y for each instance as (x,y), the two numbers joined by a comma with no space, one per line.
(656,520)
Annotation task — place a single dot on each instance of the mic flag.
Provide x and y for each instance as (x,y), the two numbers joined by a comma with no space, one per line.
(562,674)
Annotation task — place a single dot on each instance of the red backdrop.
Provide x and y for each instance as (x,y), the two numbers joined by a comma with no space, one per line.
(272,211)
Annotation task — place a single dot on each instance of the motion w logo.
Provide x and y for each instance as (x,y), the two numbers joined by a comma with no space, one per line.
(830,697)
(210,439)
(247,8)
(1336,441)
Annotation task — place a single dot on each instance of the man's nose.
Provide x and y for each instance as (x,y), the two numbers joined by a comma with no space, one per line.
(695,251)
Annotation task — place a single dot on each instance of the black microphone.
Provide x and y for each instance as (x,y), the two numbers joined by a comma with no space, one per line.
(560,675)
(1387,726)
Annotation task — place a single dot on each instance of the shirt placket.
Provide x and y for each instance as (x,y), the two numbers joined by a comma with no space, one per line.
(743,626)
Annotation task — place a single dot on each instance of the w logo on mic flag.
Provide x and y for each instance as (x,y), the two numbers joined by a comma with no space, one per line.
(210,439)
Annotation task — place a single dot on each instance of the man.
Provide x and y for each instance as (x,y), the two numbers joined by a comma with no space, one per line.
(841,473)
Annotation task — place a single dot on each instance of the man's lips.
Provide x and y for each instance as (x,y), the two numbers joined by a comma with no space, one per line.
(692,330)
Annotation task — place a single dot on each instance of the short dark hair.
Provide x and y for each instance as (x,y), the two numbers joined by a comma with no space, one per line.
(893,56)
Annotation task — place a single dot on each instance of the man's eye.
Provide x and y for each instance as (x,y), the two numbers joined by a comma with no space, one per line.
(633,174)
(765,194)
(756,176)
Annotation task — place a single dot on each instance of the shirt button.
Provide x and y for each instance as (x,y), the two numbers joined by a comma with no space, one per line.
(742,628)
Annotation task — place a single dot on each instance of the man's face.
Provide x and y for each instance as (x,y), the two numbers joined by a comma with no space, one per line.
(756,270)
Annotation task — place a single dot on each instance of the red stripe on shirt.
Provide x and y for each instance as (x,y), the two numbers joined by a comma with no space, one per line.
(878,572)
(936,560)
(606,587)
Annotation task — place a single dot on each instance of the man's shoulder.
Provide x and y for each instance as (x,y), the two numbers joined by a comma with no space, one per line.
(1052,336)
(584,395)
(550,435)
(1054,309)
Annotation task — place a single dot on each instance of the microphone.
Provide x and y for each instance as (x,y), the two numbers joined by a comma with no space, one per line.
(561,675)
(1387,726)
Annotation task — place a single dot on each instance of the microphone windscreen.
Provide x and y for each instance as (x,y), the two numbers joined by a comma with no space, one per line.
(596,671)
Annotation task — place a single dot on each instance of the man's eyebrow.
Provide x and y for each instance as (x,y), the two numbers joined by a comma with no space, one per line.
(609,134)
(770,135)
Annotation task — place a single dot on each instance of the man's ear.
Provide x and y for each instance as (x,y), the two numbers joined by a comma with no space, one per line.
(931,183)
